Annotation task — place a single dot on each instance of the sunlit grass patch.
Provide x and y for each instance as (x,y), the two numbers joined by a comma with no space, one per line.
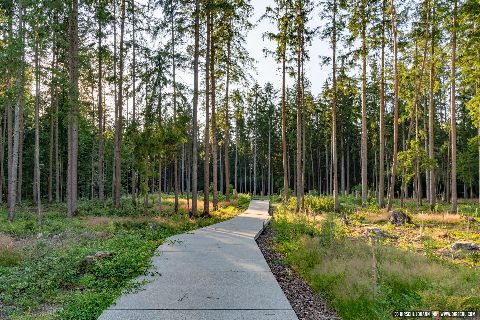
(337,260)
(43,274)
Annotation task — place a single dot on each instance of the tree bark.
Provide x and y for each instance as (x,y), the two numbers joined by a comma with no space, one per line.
(119,122)
(214,116)
(52,129)
(174,84)
(101,182)
(73,112)
(12,182)
(299,118)
(37,132)
(395,109)
(334,110)
(206,166)
(364,151)
(381,174)
(2,155)
(453,120)
(134,103)
(227,123)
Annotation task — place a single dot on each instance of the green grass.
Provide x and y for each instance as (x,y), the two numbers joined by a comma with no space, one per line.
(340,267)
(49,278)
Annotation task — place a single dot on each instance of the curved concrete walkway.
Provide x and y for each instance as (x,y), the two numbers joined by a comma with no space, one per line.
(216,272)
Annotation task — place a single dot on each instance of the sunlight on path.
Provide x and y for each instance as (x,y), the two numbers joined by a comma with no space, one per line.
(216,272)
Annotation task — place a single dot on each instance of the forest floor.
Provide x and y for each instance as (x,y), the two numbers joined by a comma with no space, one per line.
(411,267)
(73,268)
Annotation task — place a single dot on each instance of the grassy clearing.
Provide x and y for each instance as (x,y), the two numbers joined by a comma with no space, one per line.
(43,273)
(414,265)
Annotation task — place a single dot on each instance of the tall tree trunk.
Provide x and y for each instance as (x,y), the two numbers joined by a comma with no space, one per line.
(334,110)
(119,122)
(381,173)
(182,170)
(115,93)
(214,116)
(2,155)
(37,131)
(227,124)
(299,118)
(52,129)
(284,122)
(206,166)
(20,155)
(174,84)
(364,151)
(134,103)
(395,109)
(12,182)
(73,112)
(57,155)
(236,187)
(220,169)
(269,157)
(9,113)
(453,120)
(254,167)
(101,182)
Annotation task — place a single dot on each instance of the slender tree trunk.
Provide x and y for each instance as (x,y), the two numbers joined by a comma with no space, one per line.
(236,164)
(101,182)
(20,156)
(395,109)
(12,183)
(159,184)
(73,112)
(9,115)
(2,155)
(381,174)
(269,156)
(284,113)
(119,123)
(254,167)
(227,124)
(214,116)
(175,156)
(37,131)
(182,170)
(206,166)
(334,110)
(299,122)
(52,129)
(115,93)
(327,170)
(220,169)
(57,155)
(453,120)
(364,151)
(134,104)
(425,130)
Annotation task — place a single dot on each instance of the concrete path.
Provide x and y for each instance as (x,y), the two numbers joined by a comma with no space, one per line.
(217,272)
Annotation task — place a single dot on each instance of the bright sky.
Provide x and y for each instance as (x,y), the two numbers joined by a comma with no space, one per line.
(266,67)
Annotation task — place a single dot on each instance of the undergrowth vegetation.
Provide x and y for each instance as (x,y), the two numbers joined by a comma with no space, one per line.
(365,277)
(43,270)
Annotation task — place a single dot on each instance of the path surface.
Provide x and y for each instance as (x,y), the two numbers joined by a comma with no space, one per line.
(217,272)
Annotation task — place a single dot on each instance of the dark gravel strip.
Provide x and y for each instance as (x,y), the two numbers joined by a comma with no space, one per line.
(306,304)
